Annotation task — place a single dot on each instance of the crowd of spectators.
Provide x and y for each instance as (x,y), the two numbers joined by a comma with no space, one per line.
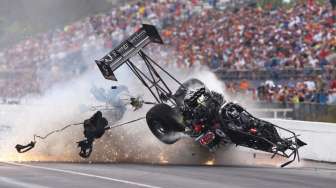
(195,33)
(252,38)
(309,90)
(57,54)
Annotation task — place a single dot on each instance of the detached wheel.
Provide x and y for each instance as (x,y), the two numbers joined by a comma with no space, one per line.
(162,120)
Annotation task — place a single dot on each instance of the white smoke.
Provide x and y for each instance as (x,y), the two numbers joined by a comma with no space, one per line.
(61,105)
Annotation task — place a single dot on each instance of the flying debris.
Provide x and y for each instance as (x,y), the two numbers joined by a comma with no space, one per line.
(94,128)
(24,148)
(138,102)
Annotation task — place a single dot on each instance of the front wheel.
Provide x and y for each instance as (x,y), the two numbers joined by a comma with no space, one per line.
(163,122)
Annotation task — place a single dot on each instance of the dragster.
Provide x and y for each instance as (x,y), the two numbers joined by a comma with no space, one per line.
(193,109)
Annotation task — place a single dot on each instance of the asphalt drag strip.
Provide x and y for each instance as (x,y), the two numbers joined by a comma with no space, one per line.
(43,175)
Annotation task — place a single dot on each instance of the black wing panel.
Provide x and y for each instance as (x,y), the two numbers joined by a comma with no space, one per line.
(127,49)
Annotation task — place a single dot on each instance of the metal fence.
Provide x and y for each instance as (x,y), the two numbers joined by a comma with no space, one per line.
(301,111)
(232,4)
(274,74)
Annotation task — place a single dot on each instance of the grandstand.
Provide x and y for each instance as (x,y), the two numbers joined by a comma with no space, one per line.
(274,54)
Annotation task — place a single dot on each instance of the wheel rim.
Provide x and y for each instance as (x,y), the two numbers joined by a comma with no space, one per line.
(159,128)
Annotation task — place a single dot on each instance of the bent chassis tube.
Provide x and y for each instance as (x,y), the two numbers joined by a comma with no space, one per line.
(293,147)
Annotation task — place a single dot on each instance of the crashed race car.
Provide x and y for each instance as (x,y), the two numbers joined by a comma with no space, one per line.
(193,109)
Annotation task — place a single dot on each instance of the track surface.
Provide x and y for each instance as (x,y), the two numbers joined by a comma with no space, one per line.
(69,175)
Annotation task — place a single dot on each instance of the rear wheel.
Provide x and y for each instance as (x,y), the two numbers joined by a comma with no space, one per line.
(163,122)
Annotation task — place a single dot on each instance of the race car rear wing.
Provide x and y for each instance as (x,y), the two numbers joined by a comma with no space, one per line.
(127,49)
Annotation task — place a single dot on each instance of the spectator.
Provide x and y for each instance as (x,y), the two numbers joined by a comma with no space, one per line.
(244,85)
(310,84)
(333,4)
(333,84)
(321,97)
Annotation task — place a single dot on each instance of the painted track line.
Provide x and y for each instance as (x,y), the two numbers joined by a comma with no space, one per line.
(17,183)
(84,174)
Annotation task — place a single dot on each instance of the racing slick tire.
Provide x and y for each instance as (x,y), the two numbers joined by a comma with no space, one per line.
(163,122)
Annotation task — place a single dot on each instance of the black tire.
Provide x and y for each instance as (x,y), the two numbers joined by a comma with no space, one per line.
(162,120)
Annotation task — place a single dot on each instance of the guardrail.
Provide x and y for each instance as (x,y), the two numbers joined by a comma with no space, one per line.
(320,138)
(276,113)
(303,111)
(275,74)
